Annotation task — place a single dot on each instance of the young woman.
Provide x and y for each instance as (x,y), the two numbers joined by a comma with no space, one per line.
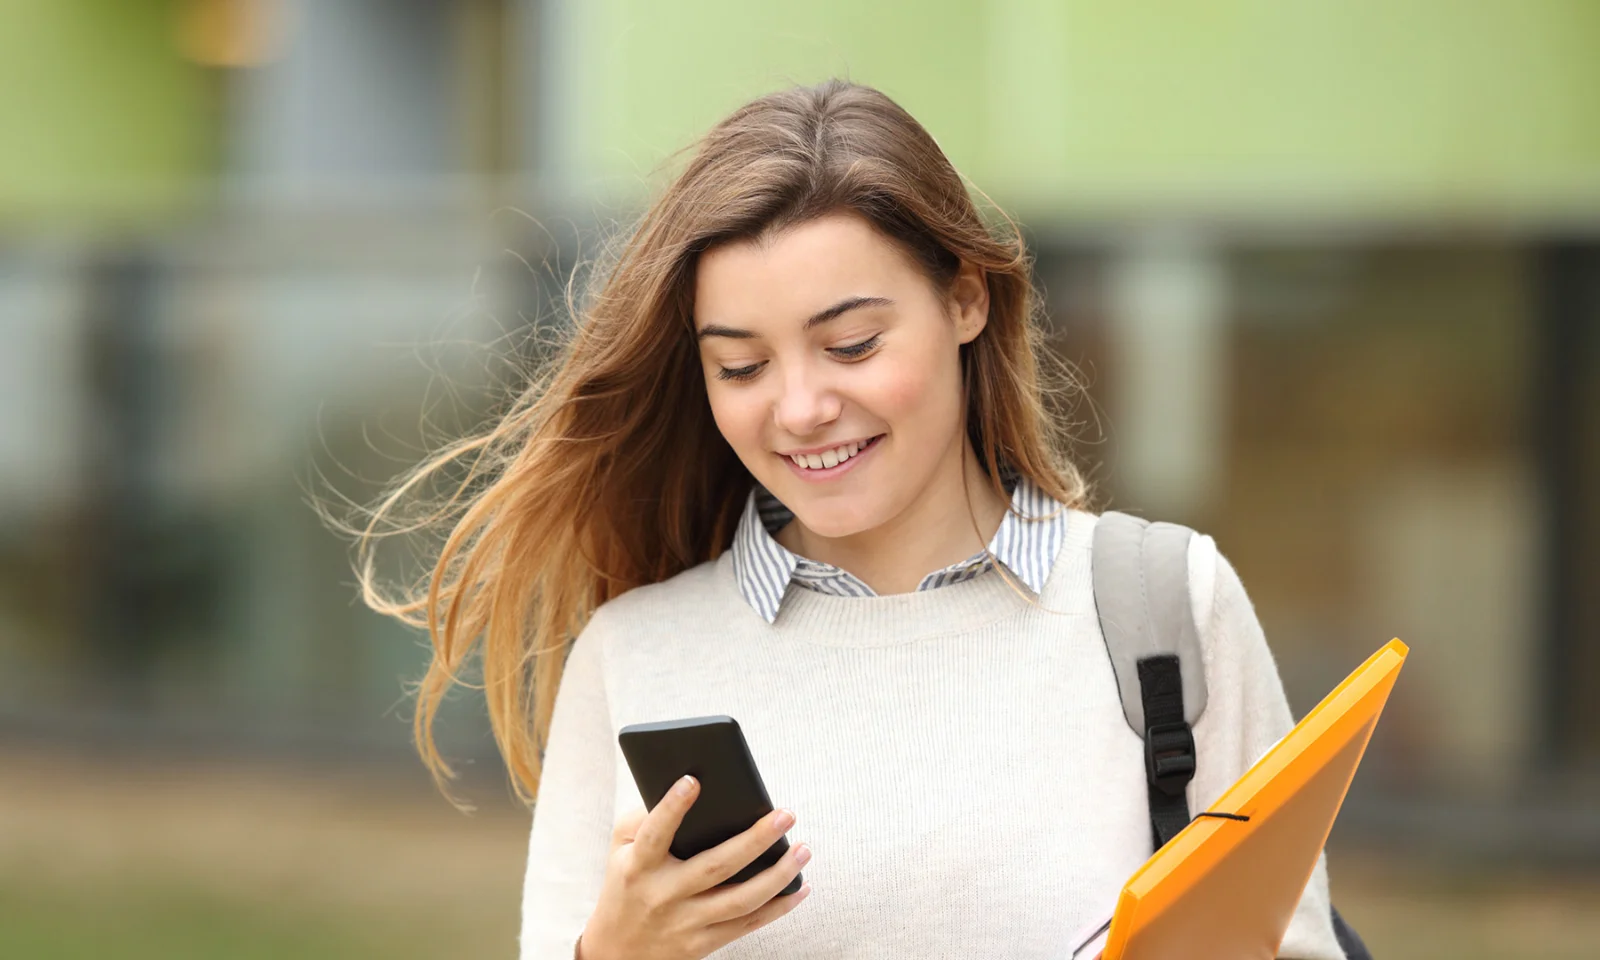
(799,464)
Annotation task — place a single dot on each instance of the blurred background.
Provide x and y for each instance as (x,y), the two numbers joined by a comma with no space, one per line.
(1331,271)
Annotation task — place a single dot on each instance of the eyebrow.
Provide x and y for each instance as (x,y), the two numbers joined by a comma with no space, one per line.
(821,316)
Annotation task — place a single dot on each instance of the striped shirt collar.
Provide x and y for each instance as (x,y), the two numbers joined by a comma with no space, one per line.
(764,568)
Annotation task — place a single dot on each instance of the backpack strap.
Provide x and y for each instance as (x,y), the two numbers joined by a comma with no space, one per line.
(1349,941)
(1141,592)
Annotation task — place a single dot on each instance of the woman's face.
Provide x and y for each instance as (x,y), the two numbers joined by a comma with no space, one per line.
(833,369)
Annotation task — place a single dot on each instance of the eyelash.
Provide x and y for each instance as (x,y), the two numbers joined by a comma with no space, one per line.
(849,352)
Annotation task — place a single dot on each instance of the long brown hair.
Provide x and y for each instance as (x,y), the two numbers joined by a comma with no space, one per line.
(608,471)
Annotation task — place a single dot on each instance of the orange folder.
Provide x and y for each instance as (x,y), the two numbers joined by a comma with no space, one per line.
(1227,886)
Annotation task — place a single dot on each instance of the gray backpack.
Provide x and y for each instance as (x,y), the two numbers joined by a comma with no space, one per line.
(1141,593)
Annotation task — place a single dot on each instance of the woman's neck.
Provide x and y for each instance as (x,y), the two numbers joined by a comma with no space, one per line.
(945,524)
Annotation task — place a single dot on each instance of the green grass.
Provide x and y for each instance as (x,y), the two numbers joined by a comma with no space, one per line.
(176,922)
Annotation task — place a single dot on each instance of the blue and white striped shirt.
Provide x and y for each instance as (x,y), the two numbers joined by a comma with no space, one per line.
(1029,537)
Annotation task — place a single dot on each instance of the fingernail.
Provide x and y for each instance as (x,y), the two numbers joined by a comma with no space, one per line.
(784,821)
(802,854)
(684,786)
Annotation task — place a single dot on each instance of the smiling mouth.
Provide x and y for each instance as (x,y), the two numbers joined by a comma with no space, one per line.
(834,457)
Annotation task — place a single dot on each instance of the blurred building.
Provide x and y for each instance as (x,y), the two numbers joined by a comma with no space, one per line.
(1331,271)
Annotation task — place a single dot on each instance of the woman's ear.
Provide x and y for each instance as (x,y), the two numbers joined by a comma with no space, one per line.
(969,301)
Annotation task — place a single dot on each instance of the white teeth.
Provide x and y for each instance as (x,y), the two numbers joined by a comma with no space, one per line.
(827,458)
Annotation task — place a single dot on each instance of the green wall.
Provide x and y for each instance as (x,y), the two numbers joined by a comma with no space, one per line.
(1094,106)
(1387,107)
(98,113)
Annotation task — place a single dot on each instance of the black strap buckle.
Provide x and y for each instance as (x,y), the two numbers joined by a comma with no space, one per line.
(1169,757)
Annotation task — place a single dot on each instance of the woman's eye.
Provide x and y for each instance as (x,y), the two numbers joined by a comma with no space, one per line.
(856,349)
(849,351)
(738,373)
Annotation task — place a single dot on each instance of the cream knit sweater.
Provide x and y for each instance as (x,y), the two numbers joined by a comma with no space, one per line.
(957,759)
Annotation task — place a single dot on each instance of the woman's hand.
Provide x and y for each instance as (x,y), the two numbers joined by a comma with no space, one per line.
(654,906)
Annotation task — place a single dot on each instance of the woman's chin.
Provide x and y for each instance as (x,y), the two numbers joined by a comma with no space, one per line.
(832,524)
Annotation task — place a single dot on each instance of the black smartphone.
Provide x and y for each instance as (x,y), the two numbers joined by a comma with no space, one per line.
(732,796)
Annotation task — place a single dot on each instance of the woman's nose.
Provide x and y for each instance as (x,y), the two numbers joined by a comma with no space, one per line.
(806,403)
